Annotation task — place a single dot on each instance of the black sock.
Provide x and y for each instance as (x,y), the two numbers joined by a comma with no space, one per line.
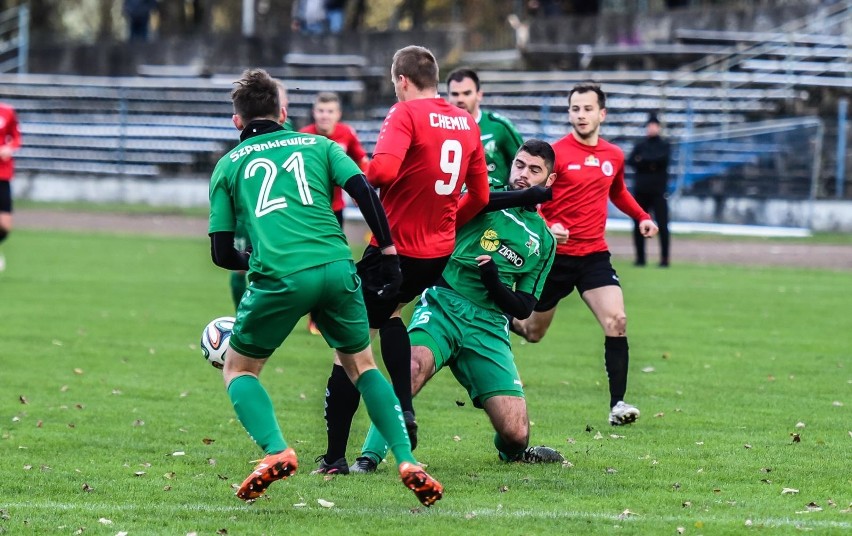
(341,401)
(616,359)
(396,353)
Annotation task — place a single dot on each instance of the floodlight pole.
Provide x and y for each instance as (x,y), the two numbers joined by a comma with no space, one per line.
(248,18)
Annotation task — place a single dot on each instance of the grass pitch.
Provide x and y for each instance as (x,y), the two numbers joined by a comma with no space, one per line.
(111,422)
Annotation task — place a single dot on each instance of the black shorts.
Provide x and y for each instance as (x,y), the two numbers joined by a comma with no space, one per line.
(5,196)
(569,272)
(417,275)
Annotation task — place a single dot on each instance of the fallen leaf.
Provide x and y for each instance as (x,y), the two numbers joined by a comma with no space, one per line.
(790,491)
(717,490)
(589,428)
(23,399)
(611,470)
(300,505)
(116,392)
(79,531)
(178,453)
(800,425)
(208,441)
(39,423)
(686,504)
(765,469)
(71,425)
(167,488)
(676,486)
(139,473)
(748,523)
(324,503)
(699,443)
(766,481)
(571,440)
(626,513)
(832,503)
(598,436)
(302,396)
(813,507)
(456,438)
(747,446)
(105,521)
(28,467)
(78,371)
(63,388)
(504,489)
(221,477)
(681,530)
(796,437)
(770,378)
(660,414)
(567,465)
(616,436)
(121,533)
(211,461)
(665,355)
(648,369)
(170,475)
(460,403)
(87,488)
(837,404)
(470,515)
(138,422)
(222,531)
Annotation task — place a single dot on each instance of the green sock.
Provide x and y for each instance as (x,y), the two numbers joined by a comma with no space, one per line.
(375,447)
(383,408)
(254,410)
(507,454)
(238,287)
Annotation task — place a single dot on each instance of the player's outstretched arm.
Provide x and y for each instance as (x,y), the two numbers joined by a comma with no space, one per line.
(224,254)
(527,197)
(518,304)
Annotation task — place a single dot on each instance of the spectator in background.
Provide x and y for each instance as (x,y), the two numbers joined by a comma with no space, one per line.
(335,14)
(138,14)
(650,159)
(10,140)
(309,16)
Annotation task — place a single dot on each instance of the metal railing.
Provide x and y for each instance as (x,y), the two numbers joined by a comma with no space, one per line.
(14,39)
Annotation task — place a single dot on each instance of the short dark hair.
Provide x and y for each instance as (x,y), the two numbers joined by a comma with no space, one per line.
(256,96)
(418,64)
(585,87)
(327,96)
(460,74)
(536,147)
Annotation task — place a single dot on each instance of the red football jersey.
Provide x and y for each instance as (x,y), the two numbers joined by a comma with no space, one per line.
(345,136)
(586,177)
(440,150)
(9,135)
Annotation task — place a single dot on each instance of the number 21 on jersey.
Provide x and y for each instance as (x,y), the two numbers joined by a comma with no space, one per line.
(451,163)
(265,202)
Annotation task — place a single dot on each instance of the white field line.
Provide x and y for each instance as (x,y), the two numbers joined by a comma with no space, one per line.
(809,520)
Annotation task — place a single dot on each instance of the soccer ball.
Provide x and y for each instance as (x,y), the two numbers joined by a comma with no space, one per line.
(215,338)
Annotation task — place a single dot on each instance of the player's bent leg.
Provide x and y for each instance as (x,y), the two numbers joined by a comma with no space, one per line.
(508,415)
(535,327)
(607,304)
(255,412)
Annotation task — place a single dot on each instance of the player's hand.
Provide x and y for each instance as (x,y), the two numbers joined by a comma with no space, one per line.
(560,233)
(648,228)
(389,278)
(5,152)
(488,271)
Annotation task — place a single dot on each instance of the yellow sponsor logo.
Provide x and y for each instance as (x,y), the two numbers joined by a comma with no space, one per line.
(489,241)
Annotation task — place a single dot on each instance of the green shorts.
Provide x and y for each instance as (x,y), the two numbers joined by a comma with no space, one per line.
(473,341)
(270,309)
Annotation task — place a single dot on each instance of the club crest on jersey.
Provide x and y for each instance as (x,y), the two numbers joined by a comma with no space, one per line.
(606,168)
(534,246)
(592,161)
(489,241)
(511,255)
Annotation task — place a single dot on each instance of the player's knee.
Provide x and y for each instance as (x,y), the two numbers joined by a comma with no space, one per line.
(617,324)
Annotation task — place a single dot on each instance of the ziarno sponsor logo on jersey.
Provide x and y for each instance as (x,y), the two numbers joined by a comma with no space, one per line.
(273,144)
(511,255)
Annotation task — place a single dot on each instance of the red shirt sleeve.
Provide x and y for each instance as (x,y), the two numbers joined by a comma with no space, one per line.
(623,200)
(383,169)
(477,189)
(396,134)
(13,137)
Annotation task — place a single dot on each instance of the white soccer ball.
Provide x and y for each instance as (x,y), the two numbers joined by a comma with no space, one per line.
(215,338)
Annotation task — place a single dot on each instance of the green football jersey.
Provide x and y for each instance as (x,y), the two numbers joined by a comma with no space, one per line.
(517,239)
(279,186)
(241,239)
(501,141)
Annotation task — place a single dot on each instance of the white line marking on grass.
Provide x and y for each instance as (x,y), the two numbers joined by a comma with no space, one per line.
(807,520)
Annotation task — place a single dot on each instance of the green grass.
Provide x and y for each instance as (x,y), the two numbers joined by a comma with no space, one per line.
(100,339)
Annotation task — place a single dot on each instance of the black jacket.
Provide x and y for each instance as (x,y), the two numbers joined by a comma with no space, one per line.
(650,159)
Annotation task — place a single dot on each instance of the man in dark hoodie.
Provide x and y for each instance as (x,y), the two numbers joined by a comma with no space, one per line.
(650,160)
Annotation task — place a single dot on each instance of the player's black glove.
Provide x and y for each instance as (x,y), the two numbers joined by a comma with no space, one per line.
(385,284)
